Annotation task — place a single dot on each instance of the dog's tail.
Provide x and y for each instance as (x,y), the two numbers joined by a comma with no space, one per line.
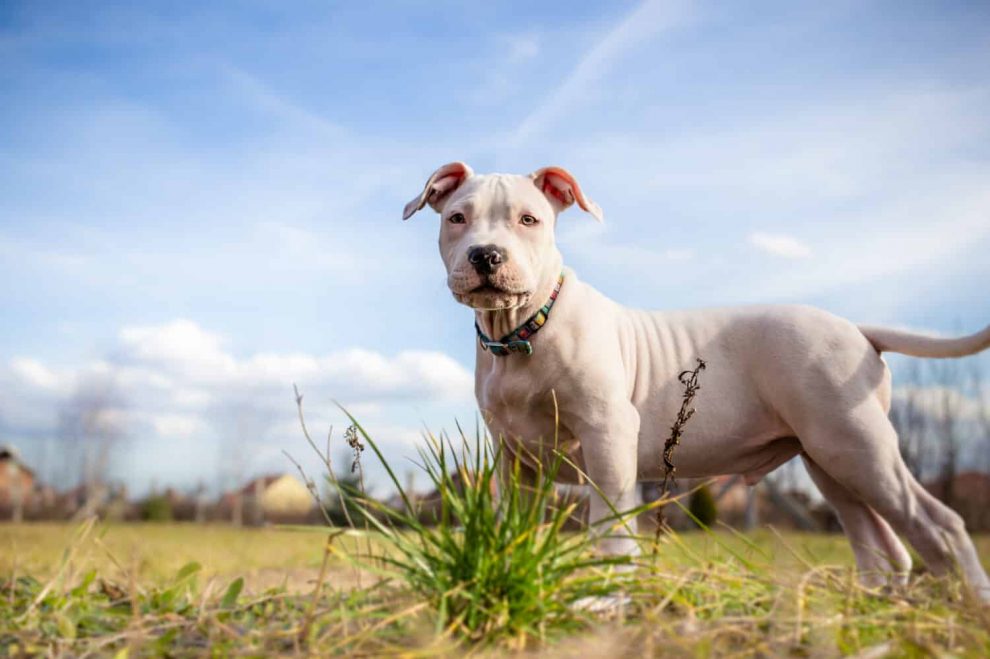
(920,345)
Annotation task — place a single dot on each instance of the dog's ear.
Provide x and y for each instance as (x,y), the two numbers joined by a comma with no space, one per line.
(562,189)
(439,186)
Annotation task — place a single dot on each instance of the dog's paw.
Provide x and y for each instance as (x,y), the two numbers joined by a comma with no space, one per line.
(602,603)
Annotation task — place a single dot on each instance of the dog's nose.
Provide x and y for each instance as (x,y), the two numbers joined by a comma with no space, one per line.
(486,259)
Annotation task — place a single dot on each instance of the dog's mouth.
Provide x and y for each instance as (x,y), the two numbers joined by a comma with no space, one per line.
(488,296)
(490,289)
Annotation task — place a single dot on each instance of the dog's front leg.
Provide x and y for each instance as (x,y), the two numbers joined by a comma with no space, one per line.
(609,442)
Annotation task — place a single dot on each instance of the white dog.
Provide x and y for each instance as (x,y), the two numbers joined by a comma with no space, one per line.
(781,380)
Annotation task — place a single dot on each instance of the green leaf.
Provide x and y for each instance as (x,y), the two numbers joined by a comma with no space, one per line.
(66,626)
(187,570)
(233,592)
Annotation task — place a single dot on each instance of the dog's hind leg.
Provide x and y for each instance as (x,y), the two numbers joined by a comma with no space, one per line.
(859,450)
(881,557)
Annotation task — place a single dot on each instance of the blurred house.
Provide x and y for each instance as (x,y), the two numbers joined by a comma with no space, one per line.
(70,502)
(743,506)
(106,500)
(279,498)
(16,485)
(181,504)
(969,494)
(731,494)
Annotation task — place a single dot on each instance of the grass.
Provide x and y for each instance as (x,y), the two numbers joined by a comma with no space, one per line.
(492,568)
(708,594)
(491,577)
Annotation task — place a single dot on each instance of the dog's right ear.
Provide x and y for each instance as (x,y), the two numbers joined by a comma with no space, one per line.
(443,181)
(562,190)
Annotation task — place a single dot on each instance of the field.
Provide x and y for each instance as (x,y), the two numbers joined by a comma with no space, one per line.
(191,590)
(491,574)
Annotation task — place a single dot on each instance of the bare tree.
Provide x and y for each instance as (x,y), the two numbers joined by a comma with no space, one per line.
(948,423)
(752,515)
(908,414)
(981,394)
(91,425)
(14,478)
(241,426)
(199,514)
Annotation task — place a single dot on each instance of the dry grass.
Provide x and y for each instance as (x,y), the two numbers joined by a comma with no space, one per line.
(120,587)
(157,551)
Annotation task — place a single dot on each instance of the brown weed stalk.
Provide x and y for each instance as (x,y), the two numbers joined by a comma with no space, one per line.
(689,379)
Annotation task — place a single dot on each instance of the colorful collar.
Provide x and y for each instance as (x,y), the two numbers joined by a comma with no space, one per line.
(518,339)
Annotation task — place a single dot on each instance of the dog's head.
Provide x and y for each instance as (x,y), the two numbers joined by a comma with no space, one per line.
(497,230)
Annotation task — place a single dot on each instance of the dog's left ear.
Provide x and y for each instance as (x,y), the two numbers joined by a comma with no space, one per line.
(562,189)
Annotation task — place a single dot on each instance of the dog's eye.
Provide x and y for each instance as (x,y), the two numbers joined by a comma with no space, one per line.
(528,220)
(457,218)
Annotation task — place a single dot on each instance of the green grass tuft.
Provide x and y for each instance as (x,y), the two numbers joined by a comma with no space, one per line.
(491,567)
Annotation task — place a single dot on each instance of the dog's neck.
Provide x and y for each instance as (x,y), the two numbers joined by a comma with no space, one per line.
(497,323)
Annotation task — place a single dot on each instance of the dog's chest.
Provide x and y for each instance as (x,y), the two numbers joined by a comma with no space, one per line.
(514,408)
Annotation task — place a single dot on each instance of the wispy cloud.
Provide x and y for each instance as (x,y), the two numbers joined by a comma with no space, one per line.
(511,58)
(649,19)
(894,237)
(595,242)
(263,97)
(779,244)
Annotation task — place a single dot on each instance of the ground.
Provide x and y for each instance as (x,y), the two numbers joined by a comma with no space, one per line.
(707,593)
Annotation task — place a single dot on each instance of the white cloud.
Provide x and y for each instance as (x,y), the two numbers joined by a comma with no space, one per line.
(177,383)
(37,375)
(177,425)
(779,244)
(191,362)
(178,347)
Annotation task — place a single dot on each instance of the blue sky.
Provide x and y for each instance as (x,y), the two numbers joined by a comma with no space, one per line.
(200,205)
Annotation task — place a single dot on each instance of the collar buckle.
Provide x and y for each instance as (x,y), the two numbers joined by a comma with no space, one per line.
(524,347)
(499,348)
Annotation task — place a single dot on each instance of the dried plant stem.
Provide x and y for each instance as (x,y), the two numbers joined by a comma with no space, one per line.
(691,386)
(317,591)
(327,462)
(353,440)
